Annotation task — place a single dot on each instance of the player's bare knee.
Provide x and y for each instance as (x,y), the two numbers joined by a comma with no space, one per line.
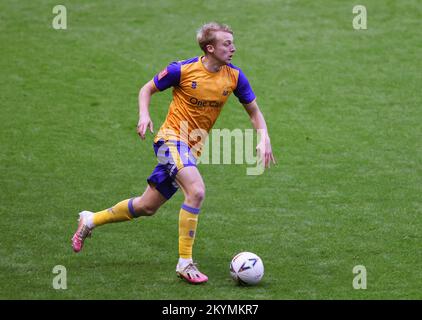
(196,195)
(148,210)
(143,209)
(199,195)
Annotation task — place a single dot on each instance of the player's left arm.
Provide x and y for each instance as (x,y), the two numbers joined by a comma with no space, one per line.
(258,122)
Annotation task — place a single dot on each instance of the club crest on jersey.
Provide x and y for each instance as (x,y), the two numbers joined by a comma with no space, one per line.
(194,84)
(162,74)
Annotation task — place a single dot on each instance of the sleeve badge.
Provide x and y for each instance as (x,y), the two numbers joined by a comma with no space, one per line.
(162,74)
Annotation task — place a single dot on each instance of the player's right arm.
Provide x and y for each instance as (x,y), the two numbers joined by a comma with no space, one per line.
(168,77)
(145,121)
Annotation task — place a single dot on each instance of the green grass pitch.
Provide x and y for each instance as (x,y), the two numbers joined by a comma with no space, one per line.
(343,107)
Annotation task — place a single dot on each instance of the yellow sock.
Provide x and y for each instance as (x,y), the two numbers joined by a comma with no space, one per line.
(188,221)
(122,211)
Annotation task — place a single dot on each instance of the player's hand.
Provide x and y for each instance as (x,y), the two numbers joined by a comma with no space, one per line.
(144,123)
(264,151)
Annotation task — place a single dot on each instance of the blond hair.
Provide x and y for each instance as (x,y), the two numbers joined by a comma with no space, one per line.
(206,34)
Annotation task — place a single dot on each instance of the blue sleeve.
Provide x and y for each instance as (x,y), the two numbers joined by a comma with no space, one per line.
(243,89)
(168,77)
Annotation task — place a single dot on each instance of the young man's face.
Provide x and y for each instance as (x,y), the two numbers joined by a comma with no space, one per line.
(223,48)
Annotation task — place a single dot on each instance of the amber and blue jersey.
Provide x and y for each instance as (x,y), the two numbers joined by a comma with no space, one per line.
(198,98)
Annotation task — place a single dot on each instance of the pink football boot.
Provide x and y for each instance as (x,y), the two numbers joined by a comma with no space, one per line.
(191,274)
(82,232)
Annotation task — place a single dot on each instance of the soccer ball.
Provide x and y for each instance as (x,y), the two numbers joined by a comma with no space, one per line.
(246,268)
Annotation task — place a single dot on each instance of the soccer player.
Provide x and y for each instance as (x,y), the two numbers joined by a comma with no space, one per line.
(201,86)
